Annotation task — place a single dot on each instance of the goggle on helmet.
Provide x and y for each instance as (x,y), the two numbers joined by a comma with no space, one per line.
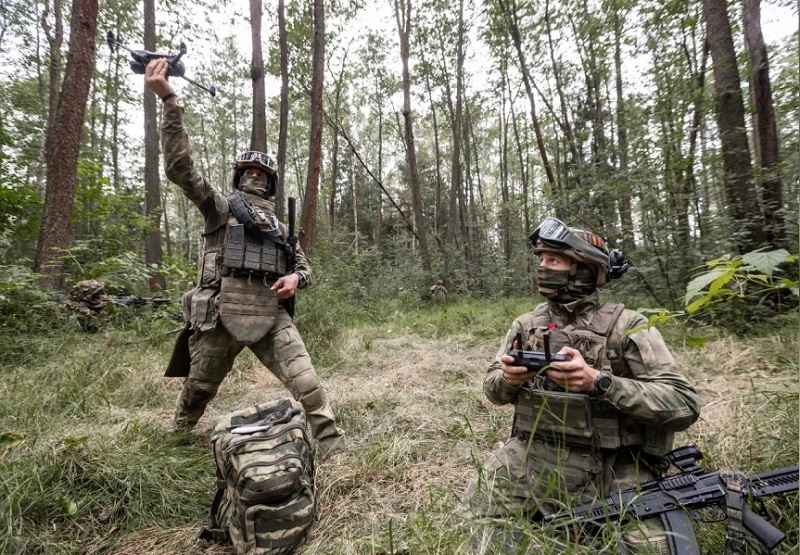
(260,161)
(583,246)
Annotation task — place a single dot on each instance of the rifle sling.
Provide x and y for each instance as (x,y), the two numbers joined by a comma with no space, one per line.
(241,212)
(737,511)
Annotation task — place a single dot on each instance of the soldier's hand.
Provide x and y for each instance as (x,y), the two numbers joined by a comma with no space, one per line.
(575,374)
(286,286)
(156,78)
(515,375)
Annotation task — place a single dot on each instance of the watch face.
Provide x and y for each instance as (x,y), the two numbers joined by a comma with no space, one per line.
(603,383)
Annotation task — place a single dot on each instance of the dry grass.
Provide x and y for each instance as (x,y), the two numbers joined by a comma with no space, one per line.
(417,423)
(405,402)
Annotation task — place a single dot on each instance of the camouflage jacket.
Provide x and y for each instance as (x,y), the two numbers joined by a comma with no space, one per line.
(179,167)
(656,394)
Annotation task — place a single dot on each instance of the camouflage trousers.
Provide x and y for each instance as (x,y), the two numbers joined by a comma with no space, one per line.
(281,350)
(529,478)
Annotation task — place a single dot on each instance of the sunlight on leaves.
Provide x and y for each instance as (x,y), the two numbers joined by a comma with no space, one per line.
(10,440)
(73,442)
(766,262)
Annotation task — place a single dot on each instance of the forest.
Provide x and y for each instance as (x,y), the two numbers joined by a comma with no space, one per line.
(424,140)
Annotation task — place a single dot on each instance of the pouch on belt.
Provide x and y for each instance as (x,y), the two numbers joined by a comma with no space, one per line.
(247,308)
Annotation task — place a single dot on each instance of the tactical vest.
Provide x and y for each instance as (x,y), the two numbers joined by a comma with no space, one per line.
(243,257)
(549,413)
(253,241)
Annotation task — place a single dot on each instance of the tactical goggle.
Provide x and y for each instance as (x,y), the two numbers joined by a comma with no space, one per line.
(553,233)
(257,158)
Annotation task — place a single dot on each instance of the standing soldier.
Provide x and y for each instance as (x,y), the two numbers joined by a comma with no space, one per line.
(601,421)
(242,279)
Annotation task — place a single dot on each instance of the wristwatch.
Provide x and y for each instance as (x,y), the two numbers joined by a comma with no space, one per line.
(300,280)
(602,383)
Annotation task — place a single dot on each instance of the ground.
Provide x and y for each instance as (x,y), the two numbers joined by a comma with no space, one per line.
(417,424)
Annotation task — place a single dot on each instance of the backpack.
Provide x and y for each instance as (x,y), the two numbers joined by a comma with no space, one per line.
(265,503)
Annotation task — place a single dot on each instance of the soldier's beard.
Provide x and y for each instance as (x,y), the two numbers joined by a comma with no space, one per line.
(249,184)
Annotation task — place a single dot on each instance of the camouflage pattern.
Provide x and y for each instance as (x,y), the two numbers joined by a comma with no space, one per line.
(266,471)
(87,297)
(438,290)
(533,473)
(229,312)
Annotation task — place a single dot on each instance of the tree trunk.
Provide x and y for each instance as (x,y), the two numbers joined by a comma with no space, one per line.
(62,164)
(438,218)
(379,234)
(353,183)
(311,198)
(624,206)
(55,43)
(458,175)
(743,205)
(152,178)
(403,15)
(513,28)
(577,161)
(765,132)
(335,151)
(258,135)
(284,115)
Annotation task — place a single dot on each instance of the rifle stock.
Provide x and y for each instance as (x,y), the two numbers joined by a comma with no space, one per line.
(289,304)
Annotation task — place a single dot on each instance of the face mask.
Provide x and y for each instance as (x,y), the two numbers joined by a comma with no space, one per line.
(549,281)
(556,286)
(249,184)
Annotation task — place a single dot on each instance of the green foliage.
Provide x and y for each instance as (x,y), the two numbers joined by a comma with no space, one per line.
(739,291)
(728,278)
(24,305)
(122,273)
(68,492)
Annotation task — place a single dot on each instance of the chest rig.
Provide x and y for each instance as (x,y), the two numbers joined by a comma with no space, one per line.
(244,255)
(547,412)
(253,243)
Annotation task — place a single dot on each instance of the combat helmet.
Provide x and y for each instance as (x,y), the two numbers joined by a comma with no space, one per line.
(259,161)
(584,247)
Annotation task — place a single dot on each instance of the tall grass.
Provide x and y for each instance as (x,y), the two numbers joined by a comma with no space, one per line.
(89,464)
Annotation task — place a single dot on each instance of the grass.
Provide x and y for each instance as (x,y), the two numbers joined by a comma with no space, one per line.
(88,463)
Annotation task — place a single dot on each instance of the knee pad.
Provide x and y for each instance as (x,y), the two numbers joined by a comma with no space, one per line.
(309,391)
(198,393)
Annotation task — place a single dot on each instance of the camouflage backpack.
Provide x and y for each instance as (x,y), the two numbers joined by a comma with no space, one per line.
(265,501)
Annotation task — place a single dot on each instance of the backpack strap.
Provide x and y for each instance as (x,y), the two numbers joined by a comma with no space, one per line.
(214,532)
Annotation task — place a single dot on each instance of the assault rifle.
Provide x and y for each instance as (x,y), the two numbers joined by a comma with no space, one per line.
(691,489)
(291,250)
(534,361)
(139,300)
(140,59)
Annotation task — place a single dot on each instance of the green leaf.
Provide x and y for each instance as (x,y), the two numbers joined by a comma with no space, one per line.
(720,282)
(766,262)
(700,282)
(792,285)
(10,440)
(70,507)
(697,341)
(72,442)
(725,259)
(692,308)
